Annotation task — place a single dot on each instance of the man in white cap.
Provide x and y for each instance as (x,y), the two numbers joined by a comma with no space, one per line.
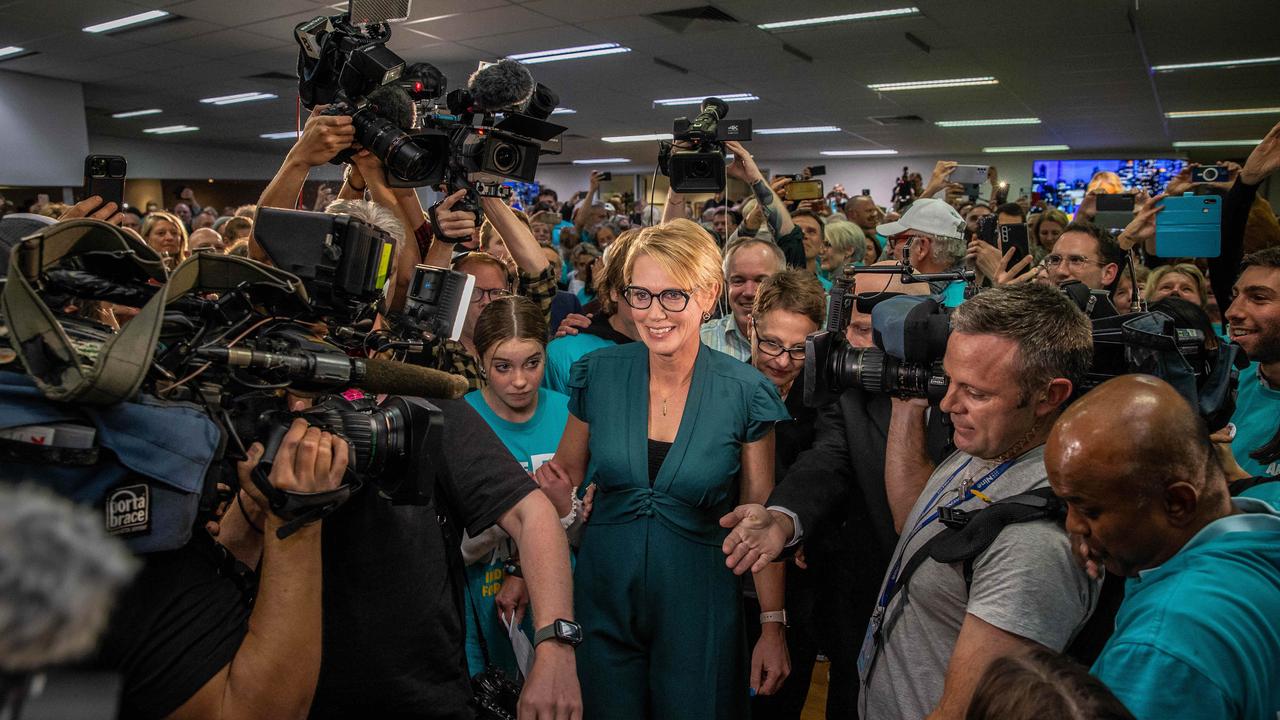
(933,233)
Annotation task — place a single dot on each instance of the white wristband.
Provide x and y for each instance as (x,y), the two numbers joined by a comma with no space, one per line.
(567,520)
(774,616)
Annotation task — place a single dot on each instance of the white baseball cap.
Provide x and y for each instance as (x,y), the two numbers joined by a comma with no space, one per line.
(927,215)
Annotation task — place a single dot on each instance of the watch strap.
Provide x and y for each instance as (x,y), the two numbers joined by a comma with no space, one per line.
(774,616)
(546,633)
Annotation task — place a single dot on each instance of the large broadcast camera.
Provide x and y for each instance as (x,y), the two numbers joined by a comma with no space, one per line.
(699,165)
(209,358)
(491,131)
(911,331)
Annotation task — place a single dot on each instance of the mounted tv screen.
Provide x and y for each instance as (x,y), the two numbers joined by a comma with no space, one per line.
(1062,183)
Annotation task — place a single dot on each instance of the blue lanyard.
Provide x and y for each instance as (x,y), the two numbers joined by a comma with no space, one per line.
(980,485)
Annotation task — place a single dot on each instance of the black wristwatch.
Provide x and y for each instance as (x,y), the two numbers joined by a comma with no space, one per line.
(565,631)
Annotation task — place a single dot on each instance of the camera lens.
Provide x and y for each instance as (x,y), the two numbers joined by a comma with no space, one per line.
(699,169)
(1210,174)
(505,158)
(115,167)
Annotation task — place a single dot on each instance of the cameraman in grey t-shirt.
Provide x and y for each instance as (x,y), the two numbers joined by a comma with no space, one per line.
(1014,355)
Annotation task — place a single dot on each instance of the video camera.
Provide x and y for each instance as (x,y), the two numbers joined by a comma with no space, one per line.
(911,331)
(211,354)
(395,109)
(700,167)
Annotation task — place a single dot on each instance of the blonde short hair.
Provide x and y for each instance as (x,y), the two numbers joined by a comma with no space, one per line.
(683,250)
(1186,270)
(846,238)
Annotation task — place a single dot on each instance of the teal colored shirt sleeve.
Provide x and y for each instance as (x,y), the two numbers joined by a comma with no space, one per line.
(1155,685)
(765,408)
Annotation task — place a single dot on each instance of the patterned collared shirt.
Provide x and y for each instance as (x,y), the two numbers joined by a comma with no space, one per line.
(723,334)
(452,356)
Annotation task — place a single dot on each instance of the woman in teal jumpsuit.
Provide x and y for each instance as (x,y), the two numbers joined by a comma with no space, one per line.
(676,435)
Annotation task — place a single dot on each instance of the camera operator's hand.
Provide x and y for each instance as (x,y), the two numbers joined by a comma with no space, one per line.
(309,461)
(743,166)
(572,323)
(322,137)
(375,179)
(512,600)
(1264,161)
(1142,228)
(756,537)
(92,207)
(454,223)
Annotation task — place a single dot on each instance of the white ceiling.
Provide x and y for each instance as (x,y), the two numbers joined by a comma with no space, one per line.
(1079,66)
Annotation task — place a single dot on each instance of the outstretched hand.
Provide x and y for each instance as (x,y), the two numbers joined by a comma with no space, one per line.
(755,539)
(1264,161)
(93,208)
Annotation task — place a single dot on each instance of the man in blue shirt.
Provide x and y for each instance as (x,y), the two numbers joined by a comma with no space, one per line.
(1147,498)
(1254,317)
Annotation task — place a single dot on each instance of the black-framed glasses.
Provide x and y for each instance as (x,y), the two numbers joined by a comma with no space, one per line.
(479,295)
(671,299)
(775,349)
(1075,262)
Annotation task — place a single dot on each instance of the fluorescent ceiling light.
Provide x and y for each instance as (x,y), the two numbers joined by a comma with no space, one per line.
(237,98)
(986,123)
(564,111)
(731,97)
(1026,148)
(138,113)
(170,129)
(289,135)
(897,12)
(602,161)
(931,84)
(637,138)
(126,21)
(1216,64)
(853,153)
(569,53)
(797,130)
(1214,143)
(11,50)
(343,6)
(1222,113)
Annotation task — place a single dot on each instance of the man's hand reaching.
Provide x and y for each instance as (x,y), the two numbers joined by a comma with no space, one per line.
(323,137)
(756,537)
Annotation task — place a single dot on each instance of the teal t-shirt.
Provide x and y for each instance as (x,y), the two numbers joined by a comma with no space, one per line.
(563,352)
(1256,418)
(531,443)
(1197,637)
(953,294)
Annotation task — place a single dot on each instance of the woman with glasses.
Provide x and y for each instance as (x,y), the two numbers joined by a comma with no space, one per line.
(676,436)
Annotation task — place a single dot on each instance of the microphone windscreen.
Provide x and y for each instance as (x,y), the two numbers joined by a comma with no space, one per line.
(59,576)
(393,103)
(502,85)
(397,378)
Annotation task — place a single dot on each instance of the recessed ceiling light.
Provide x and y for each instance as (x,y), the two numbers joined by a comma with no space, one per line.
(170,129)
(564,111)
(897,12)
(730,97)
(288,135)
(11,50)
(985,123)
(1026,148)
(854,153)
(237,98)
(1222,113)
(637,138)
(137,113)
(1215,143)
(125,22)
(1216,64)
(931,84)
(797,130)
(569,53)
(602,161)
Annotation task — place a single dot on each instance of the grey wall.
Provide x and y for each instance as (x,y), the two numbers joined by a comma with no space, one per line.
(168,160)
(43,139)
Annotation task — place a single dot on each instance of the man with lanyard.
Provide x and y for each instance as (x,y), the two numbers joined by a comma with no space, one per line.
(1013,357)
(934,235)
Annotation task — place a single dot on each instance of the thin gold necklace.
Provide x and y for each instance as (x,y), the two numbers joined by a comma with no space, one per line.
(673,392)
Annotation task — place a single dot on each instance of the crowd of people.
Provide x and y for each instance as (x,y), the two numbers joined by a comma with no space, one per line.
(640,516)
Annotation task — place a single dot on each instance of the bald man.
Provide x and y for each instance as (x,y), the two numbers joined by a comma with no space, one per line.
(206,240)
(1197,635)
